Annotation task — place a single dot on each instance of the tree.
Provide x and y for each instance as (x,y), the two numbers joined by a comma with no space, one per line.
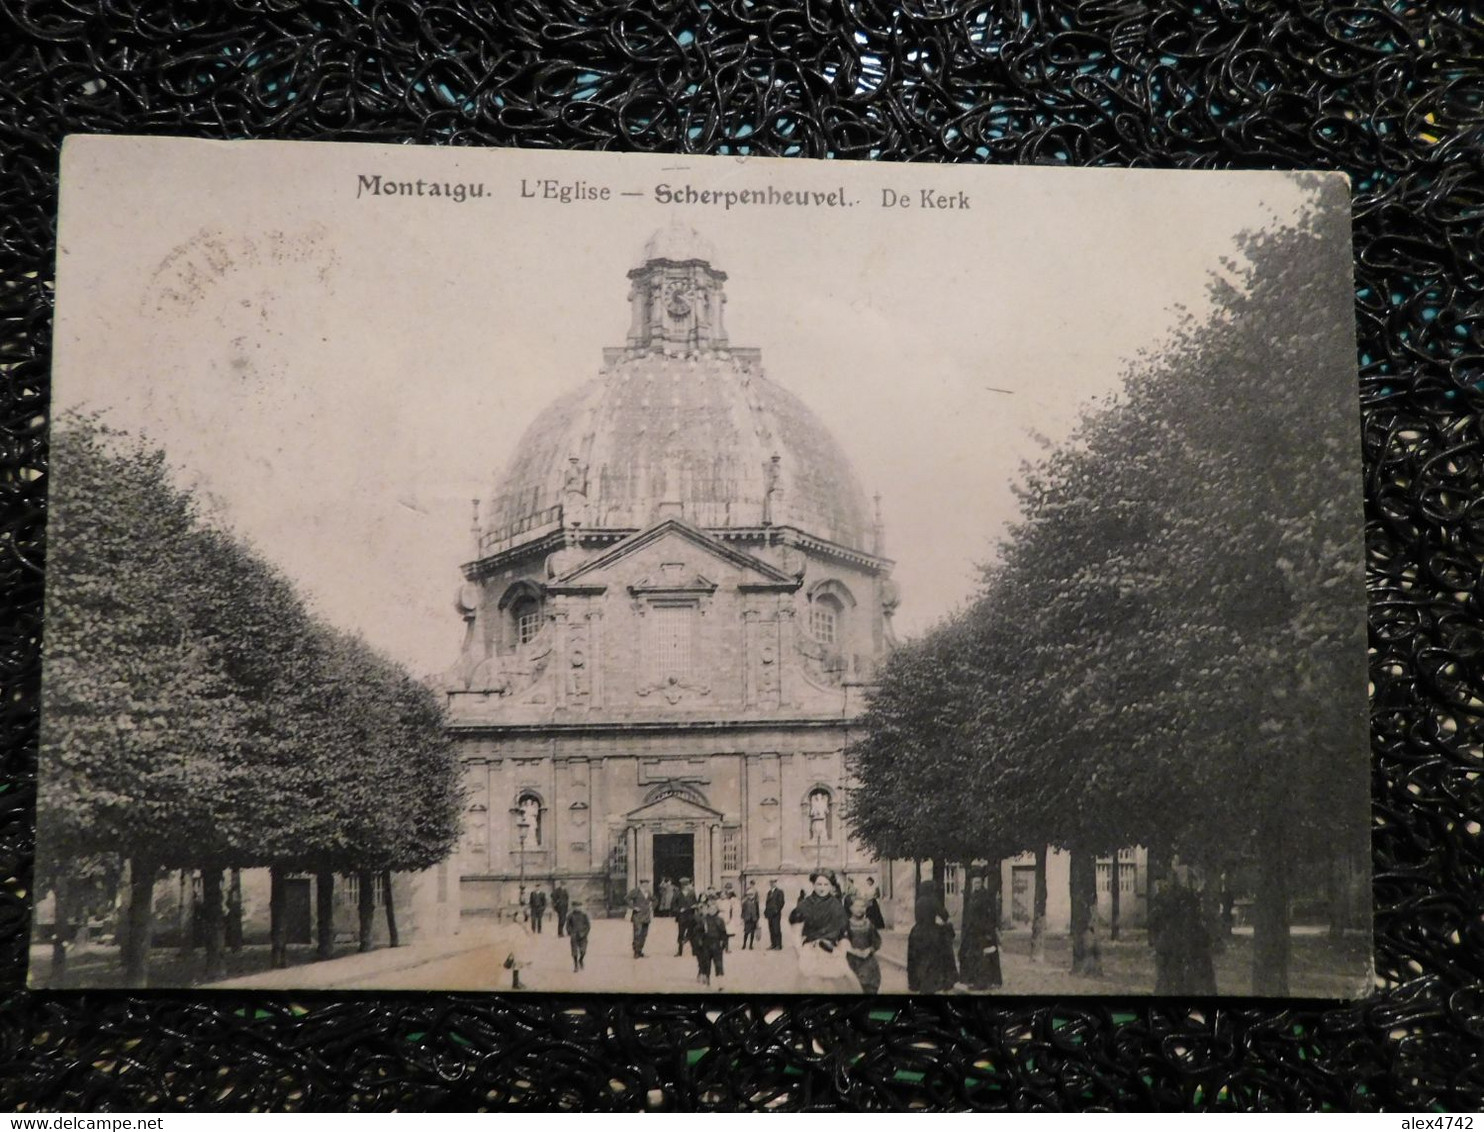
(1170,651)
(138,711)
(198,716)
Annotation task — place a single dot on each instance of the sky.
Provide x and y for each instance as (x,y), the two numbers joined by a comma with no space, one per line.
(337,372)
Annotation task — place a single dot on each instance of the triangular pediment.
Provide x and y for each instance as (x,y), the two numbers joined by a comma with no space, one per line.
(694,578)
(673,807)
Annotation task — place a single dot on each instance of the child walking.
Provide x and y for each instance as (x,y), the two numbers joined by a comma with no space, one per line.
(865,941)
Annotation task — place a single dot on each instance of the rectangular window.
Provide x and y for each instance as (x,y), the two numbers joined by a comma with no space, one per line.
(731,845)
(618,855)
(950,880)
(352,885)
(669,629)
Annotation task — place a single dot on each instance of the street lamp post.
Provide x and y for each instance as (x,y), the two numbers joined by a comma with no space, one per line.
(522,828)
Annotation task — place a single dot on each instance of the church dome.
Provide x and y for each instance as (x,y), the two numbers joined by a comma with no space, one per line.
(678,424)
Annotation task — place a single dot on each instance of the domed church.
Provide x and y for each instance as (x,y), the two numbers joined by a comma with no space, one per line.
(679,598)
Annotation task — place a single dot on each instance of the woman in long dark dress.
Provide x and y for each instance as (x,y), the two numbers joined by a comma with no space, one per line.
(873,904)
(979,953)
(930,965)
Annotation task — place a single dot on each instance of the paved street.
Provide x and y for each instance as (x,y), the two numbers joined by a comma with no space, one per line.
(474,960)
(610,964)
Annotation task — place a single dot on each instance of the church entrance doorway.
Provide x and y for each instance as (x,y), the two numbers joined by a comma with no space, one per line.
(674,856)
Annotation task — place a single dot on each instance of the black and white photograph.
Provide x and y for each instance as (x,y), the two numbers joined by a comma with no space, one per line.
(516,570)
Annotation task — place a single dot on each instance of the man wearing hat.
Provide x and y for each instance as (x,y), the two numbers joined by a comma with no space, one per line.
(708,938)
(641,913)
(773,913)
(685,915)
(750,916)
(578,927)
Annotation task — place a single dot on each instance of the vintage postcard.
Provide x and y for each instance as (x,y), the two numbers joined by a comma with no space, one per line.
(585,572)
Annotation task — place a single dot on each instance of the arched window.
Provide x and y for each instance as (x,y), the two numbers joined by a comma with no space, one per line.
(672,789)
(526,614)
(830,603)
(821,805)
(528,815)
(824,619)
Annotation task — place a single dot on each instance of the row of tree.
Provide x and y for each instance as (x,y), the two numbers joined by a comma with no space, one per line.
(200,717)
(1170,651)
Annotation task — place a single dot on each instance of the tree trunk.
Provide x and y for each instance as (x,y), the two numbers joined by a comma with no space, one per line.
(187,919)
(1038,909)
(60,930)
(995,891)
(940,876)
(366,909)
(1083,885)
(213,925)
(324,914)
(392,939)
(121,911)
(916,877)
(278,927)
(141,921)
(1115,900)
(1157,862)
(1270,909)
(234,913)
(1158,865)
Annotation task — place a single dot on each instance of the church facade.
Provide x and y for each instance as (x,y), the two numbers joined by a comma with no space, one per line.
(678,602)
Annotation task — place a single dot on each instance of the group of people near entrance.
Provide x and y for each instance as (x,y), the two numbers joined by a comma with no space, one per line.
(836,931)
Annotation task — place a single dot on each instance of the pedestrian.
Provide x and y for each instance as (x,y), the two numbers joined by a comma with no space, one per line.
(538,909)
(708,939)
(685,915)
(641,912)
(1092,951)
(730,909)
(822,921)
(930,965)
(864,940)
(749,916)
(773,912)
(513,937)
(578,927)
(873,904)
(1183,964)
(560,902)
(979,951)
(666,900)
